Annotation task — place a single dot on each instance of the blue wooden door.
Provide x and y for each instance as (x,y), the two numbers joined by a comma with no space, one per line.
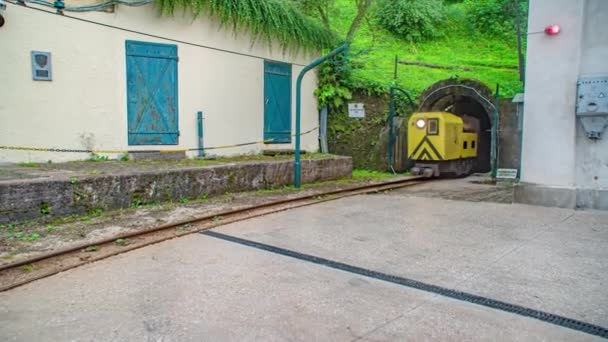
(277,100)
(152,93)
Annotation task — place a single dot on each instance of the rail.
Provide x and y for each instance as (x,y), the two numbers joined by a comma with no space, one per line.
(44,265)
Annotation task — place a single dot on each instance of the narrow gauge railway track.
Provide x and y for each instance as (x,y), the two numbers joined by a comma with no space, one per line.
(44,265)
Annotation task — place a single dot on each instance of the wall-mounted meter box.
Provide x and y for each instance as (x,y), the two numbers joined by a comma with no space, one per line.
(592,105)
(41,66)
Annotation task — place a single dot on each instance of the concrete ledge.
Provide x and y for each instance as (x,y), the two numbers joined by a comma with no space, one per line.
(156,155)
(561,196)
(592,199)
(545,196)
(33,198)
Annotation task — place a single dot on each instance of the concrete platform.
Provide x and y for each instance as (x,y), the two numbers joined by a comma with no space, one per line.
(562,197)
(204,288)
(32,191)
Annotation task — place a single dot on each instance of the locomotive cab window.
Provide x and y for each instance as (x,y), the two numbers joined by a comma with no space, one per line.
(472,144)
(433,127)
(464,146)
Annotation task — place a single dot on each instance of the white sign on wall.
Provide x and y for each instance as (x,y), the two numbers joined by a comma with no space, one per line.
(506,173)
(356,110)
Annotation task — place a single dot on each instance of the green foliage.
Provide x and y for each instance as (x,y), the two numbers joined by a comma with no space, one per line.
(44,208)
(32,237)
(28,164)
(496,17)
(334,82)
(136,202)
(371,175)
(413,20)
(96,212)
(265,19)
(91,249)
(315,7)
(375,49)
(94,157)
(121,242)
(10,231)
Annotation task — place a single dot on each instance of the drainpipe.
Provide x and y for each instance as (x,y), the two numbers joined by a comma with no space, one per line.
(323,130)
(199,119)
(391,116)
(316,62)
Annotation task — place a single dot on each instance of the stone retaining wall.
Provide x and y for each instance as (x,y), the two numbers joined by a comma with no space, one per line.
(31,199)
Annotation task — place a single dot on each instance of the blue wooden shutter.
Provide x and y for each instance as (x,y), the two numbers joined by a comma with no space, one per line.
(277,100)
(152,93)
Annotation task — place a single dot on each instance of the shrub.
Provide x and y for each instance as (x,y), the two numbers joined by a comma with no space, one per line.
(496,17)
(414,20)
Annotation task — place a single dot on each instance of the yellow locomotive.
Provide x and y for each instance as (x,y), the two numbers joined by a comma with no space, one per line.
(442,143)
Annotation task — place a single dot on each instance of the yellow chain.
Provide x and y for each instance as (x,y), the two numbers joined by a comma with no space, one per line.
(42,149)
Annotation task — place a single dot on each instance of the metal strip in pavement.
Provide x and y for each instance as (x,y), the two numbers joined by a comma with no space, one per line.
(418,285)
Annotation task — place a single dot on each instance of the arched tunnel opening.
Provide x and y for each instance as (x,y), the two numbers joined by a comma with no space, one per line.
(465,98)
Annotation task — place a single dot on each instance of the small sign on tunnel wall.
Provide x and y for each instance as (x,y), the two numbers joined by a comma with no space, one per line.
(506,173)
(356,110)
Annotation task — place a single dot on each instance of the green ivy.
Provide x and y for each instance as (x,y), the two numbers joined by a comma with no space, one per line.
(335,82)
(265,19)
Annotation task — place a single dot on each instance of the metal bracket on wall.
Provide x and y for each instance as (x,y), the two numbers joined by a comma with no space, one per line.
(592,105)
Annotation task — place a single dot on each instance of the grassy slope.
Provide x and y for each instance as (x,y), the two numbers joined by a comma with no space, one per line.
(459,46)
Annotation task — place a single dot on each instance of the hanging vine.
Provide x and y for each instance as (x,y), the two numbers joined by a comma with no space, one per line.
(265,19)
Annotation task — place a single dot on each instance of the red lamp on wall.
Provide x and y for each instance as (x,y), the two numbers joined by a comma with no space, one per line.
(552,30)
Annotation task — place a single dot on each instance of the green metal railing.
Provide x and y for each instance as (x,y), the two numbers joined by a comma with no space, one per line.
(315,63)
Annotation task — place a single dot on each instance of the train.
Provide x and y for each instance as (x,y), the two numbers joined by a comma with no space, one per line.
(442,144)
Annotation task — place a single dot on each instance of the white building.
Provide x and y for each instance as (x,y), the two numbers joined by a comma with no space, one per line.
(111,81)
(564,163)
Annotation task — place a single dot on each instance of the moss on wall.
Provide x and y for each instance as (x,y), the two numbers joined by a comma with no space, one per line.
(361,138)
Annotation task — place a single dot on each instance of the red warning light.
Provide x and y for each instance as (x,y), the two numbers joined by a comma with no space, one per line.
(552,30)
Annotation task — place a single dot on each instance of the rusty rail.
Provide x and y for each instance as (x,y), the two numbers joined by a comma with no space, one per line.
(149,235)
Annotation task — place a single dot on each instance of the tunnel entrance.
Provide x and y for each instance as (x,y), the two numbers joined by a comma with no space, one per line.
(465,98)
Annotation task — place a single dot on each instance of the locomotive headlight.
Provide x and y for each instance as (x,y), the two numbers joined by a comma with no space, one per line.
(420,123)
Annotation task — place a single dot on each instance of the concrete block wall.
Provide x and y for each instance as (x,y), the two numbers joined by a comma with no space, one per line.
(23,199)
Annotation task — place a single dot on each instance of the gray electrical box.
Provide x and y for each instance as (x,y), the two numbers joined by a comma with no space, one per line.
(41,66)
(592,105)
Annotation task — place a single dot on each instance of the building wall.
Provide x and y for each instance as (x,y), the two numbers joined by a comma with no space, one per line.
(85,104)
(592,156)
(556,152)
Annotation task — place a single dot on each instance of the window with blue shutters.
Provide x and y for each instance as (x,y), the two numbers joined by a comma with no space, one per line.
(152,93)
(277,102)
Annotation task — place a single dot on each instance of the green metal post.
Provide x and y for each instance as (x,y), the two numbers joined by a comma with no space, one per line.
(316,62)
(199,119)
(391,116)
(396,64)
(494,147)
(394,91)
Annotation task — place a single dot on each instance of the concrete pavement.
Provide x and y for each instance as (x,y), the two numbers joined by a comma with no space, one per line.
(201,288)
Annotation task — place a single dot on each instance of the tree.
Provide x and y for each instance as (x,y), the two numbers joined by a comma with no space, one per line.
(362,7)
(324,9)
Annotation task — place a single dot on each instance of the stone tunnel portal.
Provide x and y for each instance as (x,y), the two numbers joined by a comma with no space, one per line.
(465,98)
